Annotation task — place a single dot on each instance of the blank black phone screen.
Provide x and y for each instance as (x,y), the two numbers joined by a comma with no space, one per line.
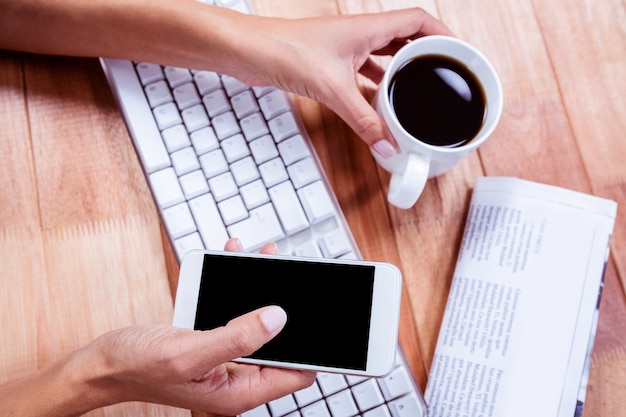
(328,306)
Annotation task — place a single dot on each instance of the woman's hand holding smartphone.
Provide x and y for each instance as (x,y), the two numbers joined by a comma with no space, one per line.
(342,315)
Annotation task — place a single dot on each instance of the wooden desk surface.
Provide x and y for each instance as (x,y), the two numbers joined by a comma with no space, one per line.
(81,246)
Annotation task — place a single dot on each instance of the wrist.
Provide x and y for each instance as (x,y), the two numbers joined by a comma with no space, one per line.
(220,41)
(89,380)
(69,387)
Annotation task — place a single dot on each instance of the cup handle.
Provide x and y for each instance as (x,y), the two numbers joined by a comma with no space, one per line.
(408,181)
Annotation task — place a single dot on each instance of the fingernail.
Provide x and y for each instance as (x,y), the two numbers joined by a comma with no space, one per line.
(272,247)
(273,318)
(238,245)
(384,148)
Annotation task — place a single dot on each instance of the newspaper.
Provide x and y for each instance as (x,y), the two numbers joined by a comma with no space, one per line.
(521,316)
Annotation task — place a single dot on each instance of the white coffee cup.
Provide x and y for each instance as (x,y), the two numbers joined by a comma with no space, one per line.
(416,161)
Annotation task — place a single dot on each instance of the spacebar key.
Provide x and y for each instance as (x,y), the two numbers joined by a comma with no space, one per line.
(261,227)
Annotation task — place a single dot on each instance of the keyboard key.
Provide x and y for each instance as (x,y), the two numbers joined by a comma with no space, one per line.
(342,404)
(213,163)
(293,149)
(334,244)
(209,222)
(303,172)
(178,220)
(254,194)
(354,379)
(223,186)
(149,73)
(261,227)
(233,86)
(395,384)
(273,172)
(381,411)
(204,140)
(263,149)
(186,95)
(158,93)
(177,76)
(283,126)
(318,409)
(195,118)
(235,148)
(187,243)
(175,138)
(262,90)
(225,125)
(260,411)
(244,104)
(407,406)
(167,115)
(253,126)
(288,208)
(309,250)
(282,406)
(216,103)
(331,383)
(245,171)
(194,184)
(367,394)
(207,81)
(316,202)
(273,104)
(166,188)
(232,210)
(308,395)
(185,161)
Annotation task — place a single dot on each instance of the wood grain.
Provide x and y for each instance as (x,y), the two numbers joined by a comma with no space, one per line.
(79,238)
(82,250)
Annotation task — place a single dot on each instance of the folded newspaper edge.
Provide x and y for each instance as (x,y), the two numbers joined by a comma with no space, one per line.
(521,317)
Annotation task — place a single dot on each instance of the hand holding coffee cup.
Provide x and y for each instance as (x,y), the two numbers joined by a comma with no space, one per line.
(440,99)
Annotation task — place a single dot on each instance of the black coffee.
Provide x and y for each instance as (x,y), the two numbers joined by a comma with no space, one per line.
(438,100)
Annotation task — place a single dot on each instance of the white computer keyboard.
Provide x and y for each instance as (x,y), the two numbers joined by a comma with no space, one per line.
(224,159)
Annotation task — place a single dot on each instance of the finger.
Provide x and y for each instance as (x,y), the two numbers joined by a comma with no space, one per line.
(273,382)
(233,245)
(353,108)
(240,337)
(250,386)
(414,23)
(397,27)
(372,70)
(391,48)
(269,248)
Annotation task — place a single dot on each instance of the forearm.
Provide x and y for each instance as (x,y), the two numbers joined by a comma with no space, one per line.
(184,33)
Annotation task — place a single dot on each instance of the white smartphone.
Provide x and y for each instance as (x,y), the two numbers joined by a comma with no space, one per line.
(342,315)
